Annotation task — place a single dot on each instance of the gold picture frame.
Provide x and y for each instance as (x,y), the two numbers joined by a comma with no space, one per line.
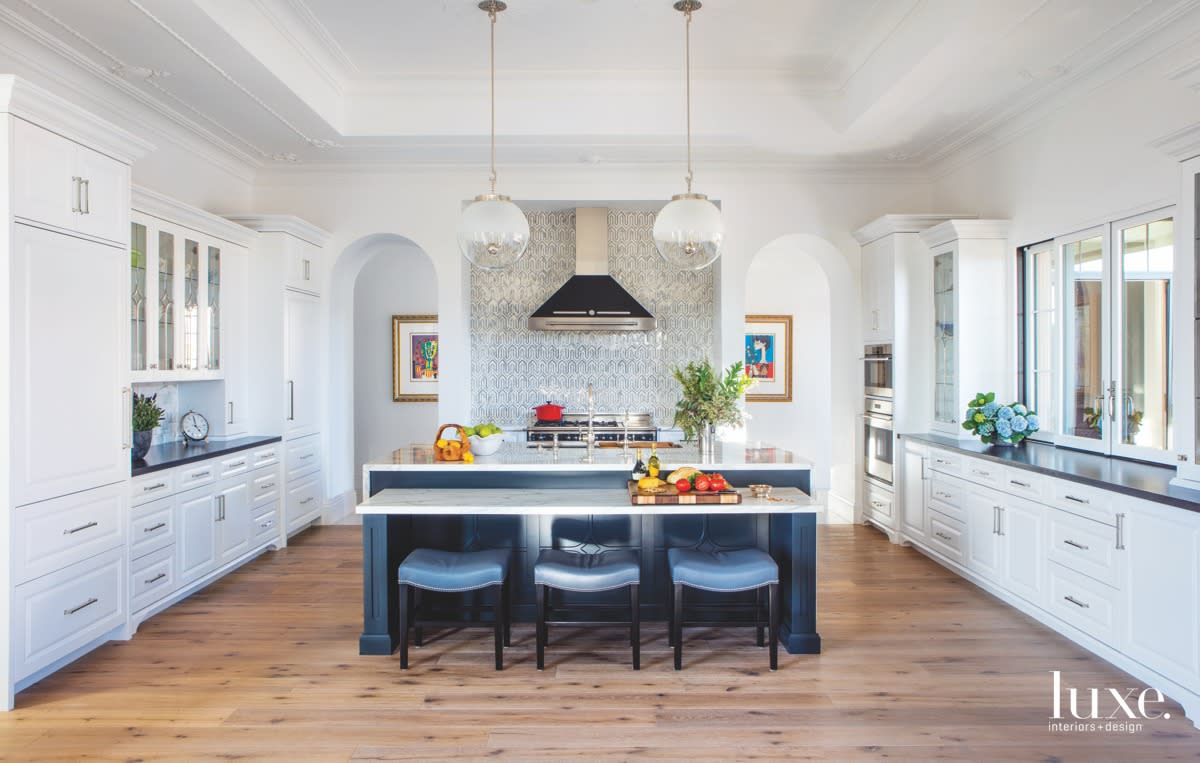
(768,358)
(415,358)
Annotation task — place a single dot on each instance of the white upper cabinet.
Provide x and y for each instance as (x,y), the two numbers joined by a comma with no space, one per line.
(60,183)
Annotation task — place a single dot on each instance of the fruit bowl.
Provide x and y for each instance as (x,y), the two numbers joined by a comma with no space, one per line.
(486,446)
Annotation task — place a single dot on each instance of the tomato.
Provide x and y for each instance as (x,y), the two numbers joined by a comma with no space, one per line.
(716,483)
(683,485)
(702,483)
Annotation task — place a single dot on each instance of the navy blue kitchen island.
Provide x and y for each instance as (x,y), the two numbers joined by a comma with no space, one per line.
(525,500)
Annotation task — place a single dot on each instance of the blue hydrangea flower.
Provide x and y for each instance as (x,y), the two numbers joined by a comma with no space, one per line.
(1019,409)
(1032,421)
(1019,423)
(1004,428)
(1005,413)
(989,409)
(985,428)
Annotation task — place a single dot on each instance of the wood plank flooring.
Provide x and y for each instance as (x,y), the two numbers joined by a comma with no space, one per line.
(919,665)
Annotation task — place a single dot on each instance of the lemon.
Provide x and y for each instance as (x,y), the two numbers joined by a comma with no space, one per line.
(468,457)
(441,443)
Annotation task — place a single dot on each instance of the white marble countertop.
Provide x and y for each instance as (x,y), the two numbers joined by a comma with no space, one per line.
(518,457)
(567,501)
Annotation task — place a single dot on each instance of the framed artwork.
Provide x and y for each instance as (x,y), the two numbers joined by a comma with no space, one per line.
(769,358)
(415,355)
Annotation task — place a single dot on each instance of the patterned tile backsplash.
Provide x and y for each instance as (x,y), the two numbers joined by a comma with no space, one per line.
(514,368)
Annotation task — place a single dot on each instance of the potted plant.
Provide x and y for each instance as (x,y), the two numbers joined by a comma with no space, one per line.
(146,417)
(998,424)
(709,400)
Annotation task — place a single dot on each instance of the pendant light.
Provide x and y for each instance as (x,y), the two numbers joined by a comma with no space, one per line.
(493,232)
(688,231)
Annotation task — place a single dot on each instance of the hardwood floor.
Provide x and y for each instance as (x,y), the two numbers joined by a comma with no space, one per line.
(919,665)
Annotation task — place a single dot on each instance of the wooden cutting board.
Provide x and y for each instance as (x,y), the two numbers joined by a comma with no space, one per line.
(670,495)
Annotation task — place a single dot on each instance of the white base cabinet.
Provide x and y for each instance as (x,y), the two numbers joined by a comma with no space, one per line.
(1119,575)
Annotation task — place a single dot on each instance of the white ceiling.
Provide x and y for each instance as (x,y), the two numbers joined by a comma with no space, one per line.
(838,83)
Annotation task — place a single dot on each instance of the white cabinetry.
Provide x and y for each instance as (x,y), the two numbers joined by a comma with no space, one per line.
(983,539)
(914,488)
(234,519)
(197,521)
(64,412)
(1021,529)
(303,370)
(878,295)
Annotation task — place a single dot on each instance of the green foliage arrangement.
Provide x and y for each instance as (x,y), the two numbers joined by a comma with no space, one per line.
(709,398)
(146,413)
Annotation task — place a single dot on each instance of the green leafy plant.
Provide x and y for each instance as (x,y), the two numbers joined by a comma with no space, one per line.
(146,413)
(709,398)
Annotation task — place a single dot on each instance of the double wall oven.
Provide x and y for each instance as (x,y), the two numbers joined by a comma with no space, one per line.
(878,461)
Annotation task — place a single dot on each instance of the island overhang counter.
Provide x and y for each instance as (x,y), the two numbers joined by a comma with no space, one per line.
(525,500)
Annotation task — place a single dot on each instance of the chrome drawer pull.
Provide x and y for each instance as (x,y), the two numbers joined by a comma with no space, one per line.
(306,500)
(306,455)
(81,528)
(943,494)
(239,463)
(943,536)
(981,472)
(156,578)
(1076,545)
(1070,497)
(1018,483)
(944,462)
(87,603)
(155,486)
(158,526)
(267,486)
(198,475)
(266,524)
(1077,602)
(1120,532)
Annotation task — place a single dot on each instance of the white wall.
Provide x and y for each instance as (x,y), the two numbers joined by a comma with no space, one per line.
(783,280)
(396,280)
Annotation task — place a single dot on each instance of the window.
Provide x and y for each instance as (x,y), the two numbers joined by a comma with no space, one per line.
(1098,337)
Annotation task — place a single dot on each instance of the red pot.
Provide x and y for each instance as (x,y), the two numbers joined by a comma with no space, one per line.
(549,412)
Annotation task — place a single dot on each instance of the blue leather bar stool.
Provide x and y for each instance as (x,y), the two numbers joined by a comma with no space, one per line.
(586,573)
(724,571)
(454,572)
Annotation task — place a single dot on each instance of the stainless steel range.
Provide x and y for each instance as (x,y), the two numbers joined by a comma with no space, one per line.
(571,431)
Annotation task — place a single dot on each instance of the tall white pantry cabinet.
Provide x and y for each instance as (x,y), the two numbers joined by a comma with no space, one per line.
(64,387)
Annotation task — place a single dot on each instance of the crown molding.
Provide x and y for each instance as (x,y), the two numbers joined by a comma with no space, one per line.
(965,230)
(289,224)
(172,210)
(23,99)
(888,225)
(1180,145)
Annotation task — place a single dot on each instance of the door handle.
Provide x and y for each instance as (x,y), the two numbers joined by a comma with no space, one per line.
(76,192)
(1079,546)
(84,605)
(230,413)
(291,400)
(81,528)
(86,206)
(127,413)
(1120,532)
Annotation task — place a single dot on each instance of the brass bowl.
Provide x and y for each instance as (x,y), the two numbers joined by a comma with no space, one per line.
(760,490)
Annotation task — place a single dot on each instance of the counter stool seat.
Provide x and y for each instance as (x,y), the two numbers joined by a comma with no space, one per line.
(724,571)
(586,573)
(454,572)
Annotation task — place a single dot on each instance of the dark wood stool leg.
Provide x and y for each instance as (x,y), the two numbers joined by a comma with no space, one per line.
(773,606)
(540,595)
(498,626)
(670,615)
(758,612)
(403,627)
(418,635)
(677,606)
(635,626)
(508,599)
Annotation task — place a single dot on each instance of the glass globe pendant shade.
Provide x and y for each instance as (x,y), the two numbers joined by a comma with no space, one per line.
(688,232)
(493,232)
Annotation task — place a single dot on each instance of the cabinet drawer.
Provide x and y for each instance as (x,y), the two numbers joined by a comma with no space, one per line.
(946,536)
(1085,546)
(1025,484)
(265,487)
(53,534)
(60,612)
(945,462)
(878,502)
(149,487)
(265,456)
(263,526)
(303,457)
(151,578)
(238,463)
(982,472)
(1081,601)
(151,527)
(195,475)
(947,496)
(1086,501)
(303,502)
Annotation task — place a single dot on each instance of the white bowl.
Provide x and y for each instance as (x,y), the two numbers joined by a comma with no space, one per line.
(486,446)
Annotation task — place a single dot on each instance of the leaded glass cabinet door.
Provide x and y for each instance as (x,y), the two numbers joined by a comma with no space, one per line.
(945,408)
(139,305)
(167,307)
(191,305)
(214,308)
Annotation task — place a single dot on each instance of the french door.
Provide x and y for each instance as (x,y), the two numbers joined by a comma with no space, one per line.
(1116,349)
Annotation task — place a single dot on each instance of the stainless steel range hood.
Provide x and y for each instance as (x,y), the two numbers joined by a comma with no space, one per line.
(591,300)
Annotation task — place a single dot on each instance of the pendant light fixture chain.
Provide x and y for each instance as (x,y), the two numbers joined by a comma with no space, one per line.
(686,7)
(492,7)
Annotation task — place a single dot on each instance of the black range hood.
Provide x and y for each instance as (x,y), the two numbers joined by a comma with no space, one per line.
(591,300)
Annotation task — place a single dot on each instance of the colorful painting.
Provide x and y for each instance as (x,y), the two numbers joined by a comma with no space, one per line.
(769,358)
(415,358)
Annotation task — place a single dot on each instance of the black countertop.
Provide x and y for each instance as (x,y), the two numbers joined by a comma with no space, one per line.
(1150,482)
(172,454)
